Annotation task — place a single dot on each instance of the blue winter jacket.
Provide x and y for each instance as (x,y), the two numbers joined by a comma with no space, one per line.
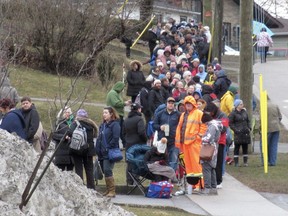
(13,121)
(172,119)
(109,134)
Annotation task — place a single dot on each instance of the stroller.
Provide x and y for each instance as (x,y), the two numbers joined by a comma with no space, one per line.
(184,178)
(139,171)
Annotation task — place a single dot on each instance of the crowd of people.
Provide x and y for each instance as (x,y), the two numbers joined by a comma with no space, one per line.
(188,101)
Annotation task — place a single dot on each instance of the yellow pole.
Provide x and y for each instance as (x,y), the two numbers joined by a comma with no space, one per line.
(152,18)
(263,113)
(120,9)
(210,46)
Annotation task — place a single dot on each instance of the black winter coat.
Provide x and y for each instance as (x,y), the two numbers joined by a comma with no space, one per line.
(134,129)
(63,153)
(155,99)
(144,95)
(32,121)
(152,156)
(135,80)
(221,85)
(240,124)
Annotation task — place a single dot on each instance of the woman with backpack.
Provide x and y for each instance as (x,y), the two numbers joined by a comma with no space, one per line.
(109,134)
(84,157)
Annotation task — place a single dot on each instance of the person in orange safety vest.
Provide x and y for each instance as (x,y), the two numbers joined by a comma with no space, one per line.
(189,132)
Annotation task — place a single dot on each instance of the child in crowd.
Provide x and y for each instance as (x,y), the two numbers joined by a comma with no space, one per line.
(211,137)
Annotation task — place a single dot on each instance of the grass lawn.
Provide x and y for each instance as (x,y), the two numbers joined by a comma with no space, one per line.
(275,181)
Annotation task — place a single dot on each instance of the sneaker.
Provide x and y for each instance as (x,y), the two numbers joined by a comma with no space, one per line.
(219,186)
(205,192)
(213,191)
(178,193)
(245,165)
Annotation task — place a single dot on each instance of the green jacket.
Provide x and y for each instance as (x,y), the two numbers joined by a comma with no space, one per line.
(114,98)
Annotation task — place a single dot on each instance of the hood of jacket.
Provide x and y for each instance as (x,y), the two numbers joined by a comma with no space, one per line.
(167,49)
(135,62)
(119,86)
(220,73)
(201,66)
(190,99)
(89,123)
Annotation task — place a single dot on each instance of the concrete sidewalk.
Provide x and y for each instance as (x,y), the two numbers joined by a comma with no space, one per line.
(234,199)
(238,200)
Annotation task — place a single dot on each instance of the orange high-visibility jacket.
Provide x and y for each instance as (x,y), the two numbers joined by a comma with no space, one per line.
(192,138)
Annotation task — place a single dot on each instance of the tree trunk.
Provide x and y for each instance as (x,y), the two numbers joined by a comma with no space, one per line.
(146,8)
(246,54)
(217,33)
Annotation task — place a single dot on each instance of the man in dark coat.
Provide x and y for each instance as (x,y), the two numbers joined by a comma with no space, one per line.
(169,118)
(155,96)
(13,120)
(221,83)
(31,117)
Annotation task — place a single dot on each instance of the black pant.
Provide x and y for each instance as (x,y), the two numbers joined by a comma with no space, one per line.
(244,149)
(87,161)
(263,53)
(219,166)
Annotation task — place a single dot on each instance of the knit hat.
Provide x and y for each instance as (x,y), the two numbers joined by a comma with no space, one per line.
(195,59)
(186,65)
(237,102)
(180,49)
(82,113)
(177,76)
(186,73)
(157,81)
(161,76)
(233,89)
(160,64)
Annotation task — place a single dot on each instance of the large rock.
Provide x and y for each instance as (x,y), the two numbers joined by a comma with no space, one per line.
(59,193)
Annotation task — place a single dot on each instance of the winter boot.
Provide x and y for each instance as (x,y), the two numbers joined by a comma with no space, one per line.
(245,160)
(236,161)
(111,187)
(107,187)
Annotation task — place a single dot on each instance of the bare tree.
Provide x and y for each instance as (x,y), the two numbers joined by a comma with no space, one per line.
(56,34)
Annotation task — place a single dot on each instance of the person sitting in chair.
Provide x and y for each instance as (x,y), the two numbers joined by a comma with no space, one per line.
(158,162)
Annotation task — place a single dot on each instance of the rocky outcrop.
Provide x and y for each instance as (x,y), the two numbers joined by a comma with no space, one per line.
(59,193)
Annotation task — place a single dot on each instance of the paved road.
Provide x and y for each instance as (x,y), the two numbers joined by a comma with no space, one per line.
(275,81)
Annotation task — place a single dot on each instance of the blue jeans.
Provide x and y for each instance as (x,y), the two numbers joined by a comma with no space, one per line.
(107,167)
(272,140)
(173,153)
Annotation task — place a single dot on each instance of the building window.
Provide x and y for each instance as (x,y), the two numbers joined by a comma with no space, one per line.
(227,33)
(183,18)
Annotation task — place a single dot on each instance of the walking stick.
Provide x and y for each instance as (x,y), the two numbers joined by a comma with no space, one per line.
(26,195)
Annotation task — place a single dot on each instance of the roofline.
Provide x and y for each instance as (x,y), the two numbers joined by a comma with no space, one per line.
(280,33)
(176,10)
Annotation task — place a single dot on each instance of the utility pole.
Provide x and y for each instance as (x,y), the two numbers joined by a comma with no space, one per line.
(217,33)
(246,54)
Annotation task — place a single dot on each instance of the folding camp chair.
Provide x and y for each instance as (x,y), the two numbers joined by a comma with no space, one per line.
(139,171)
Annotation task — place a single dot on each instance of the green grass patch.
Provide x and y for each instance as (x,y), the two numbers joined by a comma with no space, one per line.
(145,211)
(275,181)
